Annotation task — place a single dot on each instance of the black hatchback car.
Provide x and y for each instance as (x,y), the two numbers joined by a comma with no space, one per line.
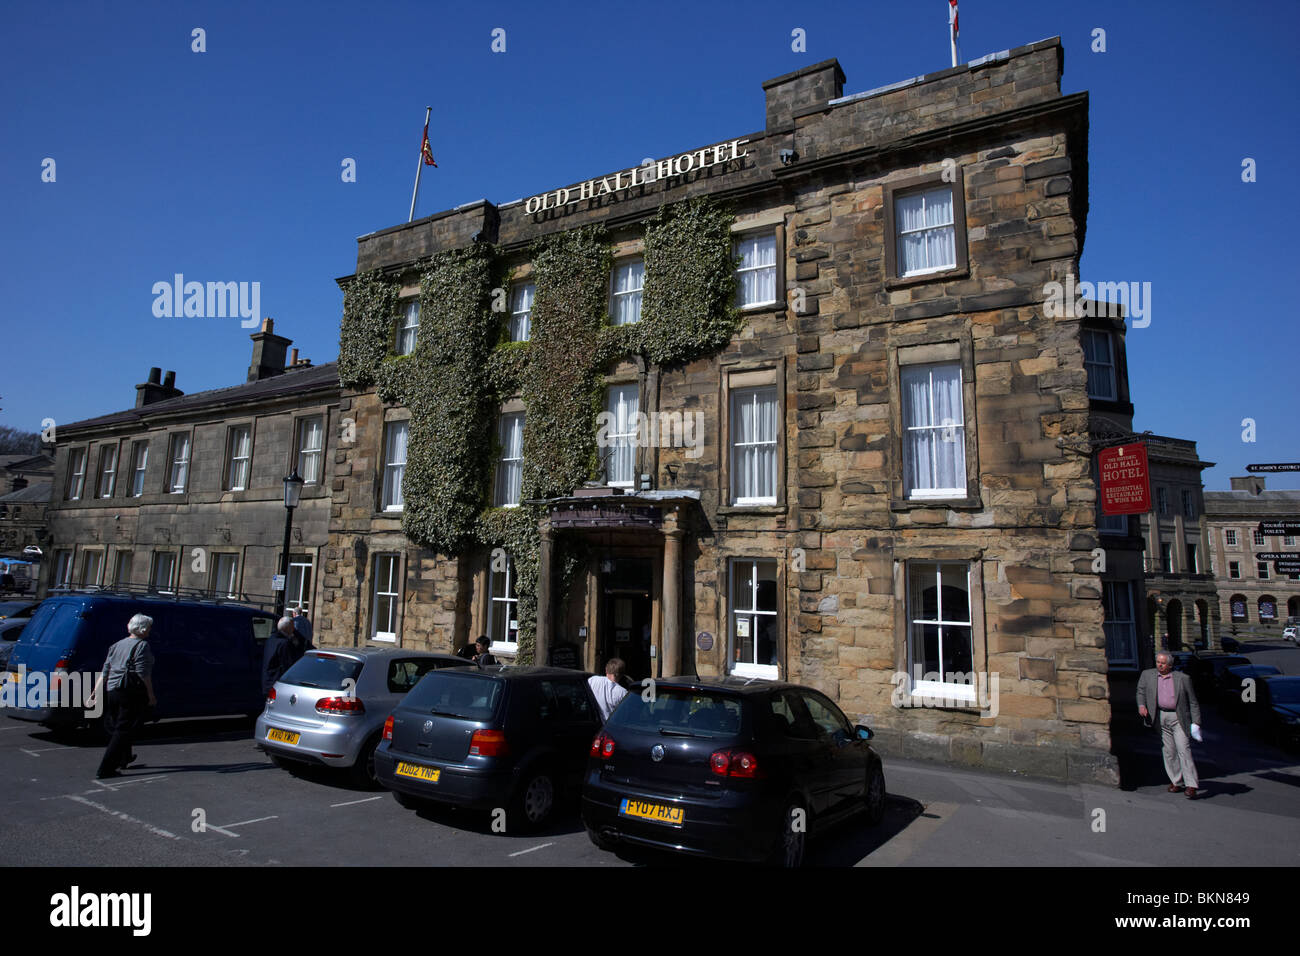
(732,769)
(514,738)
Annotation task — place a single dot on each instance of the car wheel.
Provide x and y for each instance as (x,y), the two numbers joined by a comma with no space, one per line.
(601,841)
(534,802)
(408,801)
(282,763)
(363,771)
(789,850)
(874,798)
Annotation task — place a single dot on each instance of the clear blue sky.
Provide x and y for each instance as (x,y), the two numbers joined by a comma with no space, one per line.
(225,165)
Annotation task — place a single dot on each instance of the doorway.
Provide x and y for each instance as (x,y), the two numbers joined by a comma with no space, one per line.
(626,615)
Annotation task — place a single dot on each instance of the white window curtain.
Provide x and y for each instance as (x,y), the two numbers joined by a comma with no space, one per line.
(180,462)
(394,465)
(757,270)
(620,457)
(410,326)
(141,463)
(309,450)
(753,445)
(510,467)
(521,312)
(927,239)
(239,446)
(629,279)
(1120,623)
(935,445)
(107,471)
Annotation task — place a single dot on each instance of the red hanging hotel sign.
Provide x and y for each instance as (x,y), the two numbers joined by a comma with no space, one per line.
(1125,481)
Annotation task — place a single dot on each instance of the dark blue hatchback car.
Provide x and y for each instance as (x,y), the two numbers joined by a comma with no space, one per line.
(513,738)
(731,769)
(207,656)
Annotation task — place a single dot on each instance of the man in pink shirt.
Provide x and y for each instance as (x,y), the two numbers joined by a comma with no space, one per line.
(1166,698)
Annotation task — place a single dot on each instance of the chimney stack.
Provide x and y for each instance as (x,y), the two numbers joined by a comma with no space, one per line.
(1252,483)
(268,352)
(155,391)
(19,483)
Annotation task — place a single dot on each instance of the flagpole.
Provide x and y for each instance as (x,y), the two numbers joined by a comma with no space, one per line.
(952,34)
(419,163)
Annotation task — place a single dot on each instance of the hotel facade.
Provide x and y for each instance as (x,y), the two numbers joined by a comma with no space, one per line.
(849,451)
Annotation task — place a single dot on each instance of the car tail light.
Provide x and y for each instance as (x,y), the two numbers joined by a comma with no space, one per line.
(270,695)
(340,705)
(735,763)
(388,728)
(488,743)
(602,746)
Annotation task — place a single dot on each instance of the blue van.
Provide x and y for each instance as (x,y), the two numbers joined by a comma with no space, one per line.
(207,656)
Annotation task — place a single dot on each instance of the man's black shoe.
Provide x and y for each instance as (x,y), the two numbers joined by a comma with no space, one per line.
(105,776)
(128,761)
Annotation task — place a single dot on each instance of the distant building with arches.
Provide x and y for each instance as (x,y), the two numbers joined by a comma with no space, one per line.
(1253,597)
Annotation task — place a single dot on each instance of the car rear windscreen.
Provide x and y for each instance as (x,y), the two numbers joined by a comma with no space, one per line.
(450,693)
(696,713)
(324,671)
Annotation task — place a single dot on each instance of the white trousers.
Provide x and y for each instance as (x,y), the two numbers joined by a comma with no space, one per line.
(1177,751)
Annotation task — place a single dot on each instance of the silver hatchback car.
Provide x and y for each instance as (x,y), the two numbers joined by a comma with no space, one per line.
(329,707)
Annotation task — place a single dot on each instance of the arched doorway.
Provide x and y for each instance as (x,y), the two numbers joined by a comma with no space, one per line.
(1293,607)
(1267,609)
(1174,625)
(1203,619)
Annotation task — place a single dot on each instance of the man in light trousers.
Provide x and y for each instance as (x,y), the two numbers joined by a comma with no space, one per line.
(1166,698)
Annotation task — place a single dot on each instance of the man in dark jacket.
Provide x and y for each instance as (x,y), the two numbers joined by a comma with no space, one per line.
(282,651)
(127,683)
(482,656)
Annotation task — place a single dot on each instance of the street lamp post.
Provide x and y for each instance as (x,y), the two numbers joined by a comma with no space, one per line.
(292,494)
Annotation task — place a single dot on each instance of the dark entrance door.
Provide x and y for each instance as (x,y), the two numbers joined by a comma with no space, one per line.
(625,615)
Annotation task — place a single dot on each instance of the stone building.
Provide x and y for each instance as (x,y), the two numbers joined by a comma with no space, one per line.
(879,484)
(24,496)
(1182,604)
(1252,596)
(184,493)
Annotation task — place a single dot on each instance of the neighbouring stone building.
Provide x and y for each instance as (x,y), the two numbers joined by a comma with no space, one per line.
(1252,595)
(880,484)
(24,497)
(184,493)
(1182,603)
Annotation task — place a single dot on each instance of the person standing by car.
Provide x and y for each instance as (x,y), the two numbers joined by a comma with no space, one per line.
(608,690)
(281,652)
(1166,698)
(482,656)
(127,682)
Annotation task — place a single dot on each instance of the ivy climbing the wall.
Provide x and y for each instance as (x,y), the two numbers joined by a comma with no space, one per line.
(460,373)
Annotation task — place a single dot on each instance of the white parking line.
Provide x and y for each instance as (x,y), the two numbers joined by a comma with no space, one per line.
(122,782)
(223,829)
(37,753)
(123,816)
(353,802)
(532,848)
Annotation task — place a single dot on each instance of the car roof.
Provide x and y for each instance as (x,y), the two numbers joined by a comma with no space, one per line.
(738,685)
(513,672)
(85,599)
(1279,678)
(380,653)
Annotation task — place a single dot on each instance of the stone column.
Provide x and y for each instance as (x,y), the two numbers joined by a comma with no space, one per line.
(542,648)
(672,599)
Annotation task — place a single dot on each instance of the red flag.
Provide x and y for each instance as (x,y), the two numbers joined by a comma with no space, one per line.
(952,16)
(425,151)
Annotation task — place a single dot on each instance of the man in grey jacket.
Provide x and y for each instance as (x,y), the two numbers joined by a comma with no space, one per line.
(127,683)
(1166,698)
